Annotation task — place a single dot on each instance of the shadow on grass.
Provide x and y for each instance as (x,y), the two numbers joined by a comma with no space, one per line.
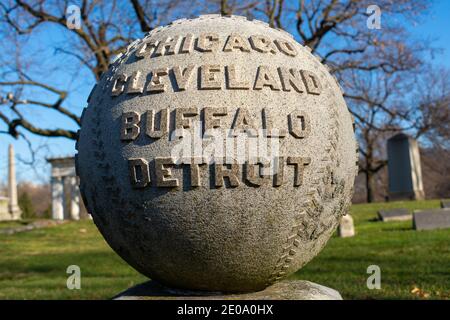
(92,263)
(390,229)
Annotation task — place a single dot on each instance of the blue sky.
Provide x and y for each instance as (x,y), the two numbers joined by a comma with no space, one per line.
(435,26)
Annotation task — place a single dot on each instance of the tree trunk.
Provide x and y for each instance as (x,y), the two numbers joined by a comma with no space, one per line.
(370,186)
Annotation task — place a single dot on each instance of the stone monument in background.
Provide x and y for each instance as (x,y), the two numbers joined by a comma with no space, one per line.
(431,219)
(13,206)
(346,227)
(9,207)
(66,200)
(404,169)
(217,154)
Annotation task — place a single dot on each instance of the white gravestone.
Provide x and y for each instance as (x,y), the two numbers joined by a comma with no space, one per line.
(346,227)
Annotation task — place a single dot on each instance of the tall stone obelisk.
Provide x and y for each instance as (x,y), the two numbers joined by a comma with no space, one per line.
(14,209)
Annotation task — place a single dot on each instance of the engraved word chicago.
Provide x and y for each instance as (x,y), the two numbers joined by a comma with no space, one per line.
(233,121)
(215,76)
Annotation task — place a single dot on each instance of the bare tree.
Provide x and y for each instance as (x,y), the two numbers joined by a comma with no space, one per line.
(106,28)
(375,67)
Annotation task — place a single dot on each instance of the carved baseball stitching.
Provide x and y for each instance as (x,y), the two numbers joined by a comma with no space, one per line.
(307,227)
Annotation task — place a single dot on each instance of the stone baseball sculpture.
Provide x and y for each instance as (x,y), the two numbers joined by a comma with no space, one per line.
(167,160)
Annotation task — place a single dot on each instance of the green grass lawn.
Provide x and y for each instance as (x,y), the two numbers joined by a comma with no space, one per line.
(33,264)
(13,224)
(409,260)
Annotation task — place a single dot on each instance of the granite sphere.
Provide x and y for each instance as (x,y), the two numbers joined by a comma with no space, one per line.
(167,162)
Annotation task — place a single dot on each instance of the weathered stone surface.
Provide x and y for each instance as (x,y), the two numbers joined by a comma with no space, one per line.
(283,290)
(346,227)
(207,226)
(401,214)
(445,203)
(431,219)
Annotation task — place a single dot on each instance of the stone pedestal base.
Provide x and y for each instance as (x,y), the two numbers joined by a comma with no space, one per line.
(284,290)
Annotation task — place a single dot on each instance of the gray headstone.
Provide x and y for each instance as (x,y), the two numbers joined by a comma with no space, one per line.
(445,203)
(401,214)
(284,290)
(431,219)
(346,227)
(166,169)
(405,173)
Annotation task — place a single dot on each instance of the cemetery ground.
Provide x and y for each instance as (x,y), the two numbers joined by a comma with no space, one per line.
(414,264)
